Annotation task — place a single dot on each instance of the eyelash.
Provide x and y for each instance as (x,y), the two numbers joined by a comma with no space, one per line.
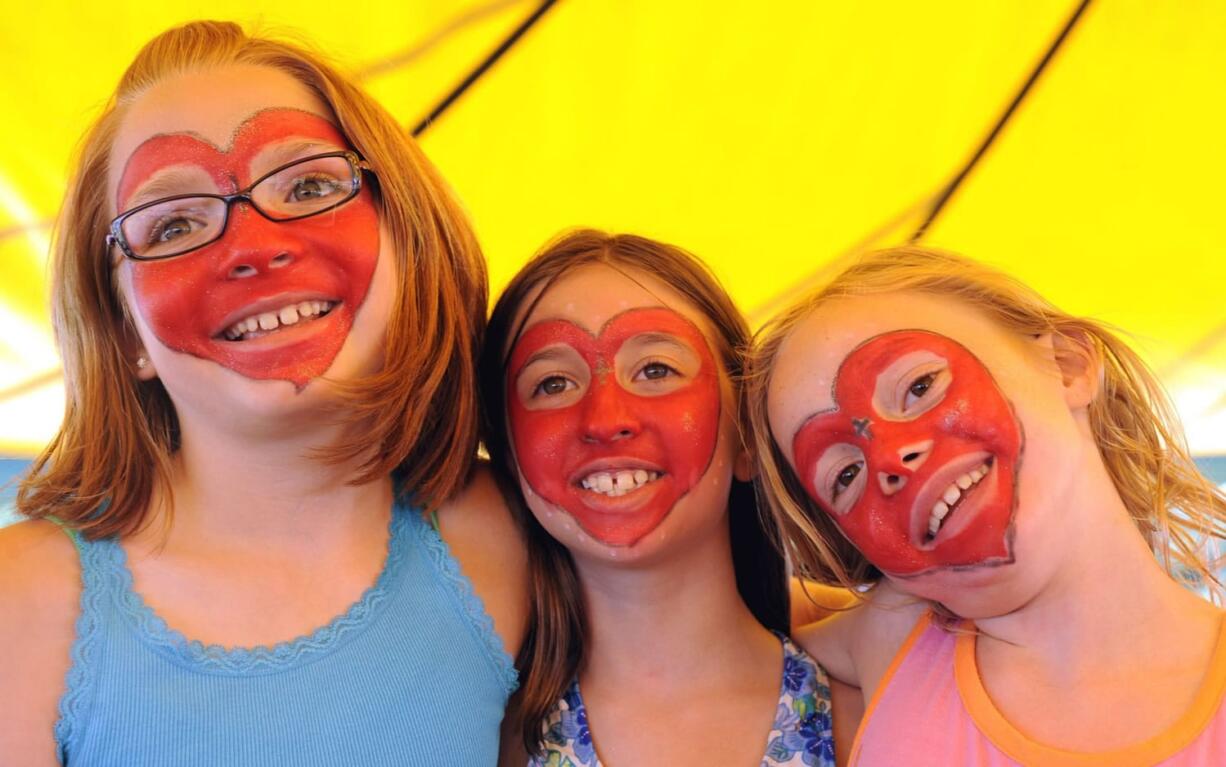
(837,489)
(539,389)
(670,370)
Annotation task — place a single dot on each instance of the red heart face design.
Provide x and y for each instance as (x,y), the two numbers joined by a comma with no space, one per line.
(917,463)
(320,266)
(614,428)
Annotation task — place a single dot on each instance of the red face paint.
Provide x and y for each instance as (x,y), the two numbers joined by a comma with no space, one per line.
(258,266)
(920,432)
(614,426)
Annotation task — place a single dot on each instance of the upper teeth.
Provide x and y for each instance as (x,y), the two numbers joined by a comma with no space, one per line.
(286,315)
(616,483)
(953,494)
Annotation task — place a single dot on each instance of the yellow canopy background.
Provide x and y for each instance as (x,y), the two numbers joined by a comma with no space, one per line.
(773,139)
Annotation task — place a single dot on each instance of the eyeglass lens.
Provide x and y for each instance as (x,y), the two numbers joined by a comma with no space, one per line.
(176,226)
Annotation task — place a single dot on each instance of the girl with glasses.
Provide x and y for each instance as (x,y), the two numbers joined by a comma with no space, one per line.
(259,536)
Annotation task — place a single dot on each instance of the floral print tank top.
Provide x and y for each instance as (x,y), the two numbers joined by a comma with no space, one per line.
(801,733)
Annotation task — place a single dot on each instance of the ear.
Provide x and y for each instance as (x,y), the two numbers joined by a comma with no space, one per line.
(1080,364)
(743,467)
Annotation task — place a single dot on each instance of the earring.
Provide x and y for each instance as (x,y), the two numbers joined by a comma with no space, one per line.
(142,362)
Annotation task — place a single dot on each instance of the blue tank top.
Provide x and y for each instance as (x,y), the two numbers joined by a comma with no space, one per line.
(411,674)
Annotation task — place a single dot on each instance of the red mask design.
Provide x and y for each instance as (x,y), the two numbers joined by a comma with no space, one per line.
(611,430)
(190,300)
(917,463)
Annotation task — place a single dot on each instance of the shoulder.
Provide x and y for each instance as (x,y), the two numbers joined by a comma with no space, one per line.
(486,541)
(39,595)
(858,644)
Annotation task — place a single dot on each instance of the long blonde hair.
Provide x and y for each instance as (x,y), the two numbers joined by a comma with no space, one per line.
(417,416)
(1141,442)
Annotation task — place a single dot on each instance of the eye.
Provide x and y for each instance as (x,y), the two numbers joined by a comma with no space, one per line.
(918,388)
(844,478)
(313,187)
(655,371)
(839,477)
(553,385)
(171,228)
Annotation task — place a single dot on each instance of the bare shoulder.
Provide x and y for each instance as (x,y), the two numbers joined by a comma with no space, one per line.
(856,645)
(40,586)
(484,538)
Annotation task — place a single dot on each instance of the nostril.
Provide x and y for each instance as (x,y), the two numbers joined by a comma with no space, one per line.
(893,479)
(909,457)
(243,270)
(281,259)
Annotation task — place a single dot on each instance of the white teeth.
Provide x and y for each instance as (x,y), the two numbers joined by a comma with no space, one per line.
(951,496)
(617,483)
(268,321)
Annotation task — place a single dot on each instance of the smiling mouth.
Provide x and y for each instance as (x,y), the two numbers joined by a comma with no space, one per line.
(953,497)
(264,323)
(617,483)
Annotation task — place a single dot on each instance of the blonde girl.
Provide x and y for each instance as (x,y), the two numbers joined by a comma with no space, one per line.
(1005,485)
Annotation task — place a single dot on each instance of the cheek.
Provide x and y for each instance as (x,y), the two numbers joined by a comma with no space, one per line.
(543,440)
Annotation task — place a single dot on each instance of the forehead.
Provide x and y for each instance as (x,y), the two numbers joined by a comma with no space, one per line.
(802,381)
(591,295)
(210,104)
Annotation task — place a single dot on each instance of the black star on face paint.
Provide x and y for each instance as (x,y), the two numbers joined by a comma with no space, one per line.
(862,427)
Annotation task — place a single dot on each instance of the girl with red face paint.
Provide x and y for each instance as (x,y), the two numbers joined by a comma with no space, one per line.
(609,385)
(268,308)
(1002,483)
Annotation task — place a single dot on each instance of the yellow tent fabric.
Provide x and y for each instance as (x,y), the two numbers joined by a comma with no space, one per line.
(772,139)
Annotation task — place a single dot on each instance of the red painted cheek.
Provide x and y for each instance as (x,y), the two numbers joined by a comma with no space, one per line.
(611,429)
(971,425)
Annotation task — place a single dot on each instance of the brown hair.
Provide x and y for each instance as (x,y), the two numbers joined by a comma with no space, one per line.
(417,416)
(552,652)
(1138,436)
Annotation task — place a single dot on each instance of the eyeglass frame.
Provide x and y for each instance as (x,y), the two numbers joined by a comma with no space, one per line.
(356,163)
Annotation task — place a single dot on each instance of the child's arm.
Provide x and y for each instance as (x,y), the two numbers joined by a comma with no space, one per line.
(40,586)
(856,646)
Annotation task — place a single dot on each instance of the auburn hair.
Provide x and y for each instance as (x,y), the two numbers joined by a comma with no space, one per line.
(553,649)
(417,417)
(1139,438)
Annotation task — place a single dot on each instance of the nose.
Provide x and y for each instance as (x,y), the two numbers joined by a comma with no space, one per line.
(254,245)
(900,463)
(609,416)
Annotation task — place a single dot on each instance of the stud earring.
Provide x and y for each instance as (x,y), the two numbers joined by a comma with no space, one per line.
(142,362)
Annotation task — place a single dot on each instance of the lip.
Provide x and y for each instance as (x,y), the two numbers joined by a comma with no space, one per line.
(270,304)
(934,488)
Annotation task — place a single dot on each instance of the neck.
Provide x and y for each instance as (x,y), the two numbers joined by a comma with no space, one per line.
(665,621)
(1109,602)
(266,491)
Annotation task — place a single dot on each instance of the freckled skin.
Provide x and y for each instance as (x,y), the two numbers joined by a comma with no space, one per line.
(187,300)
(971,417)
(555,445)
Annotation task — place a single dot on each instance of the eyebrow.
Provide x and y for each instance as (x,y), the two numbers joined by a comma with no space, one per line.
(555,353)
(165,184)
(294,150)
(653,337)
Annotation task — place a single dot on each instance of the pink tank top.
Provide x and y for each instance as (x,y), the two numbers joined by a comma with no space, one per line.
(931,710)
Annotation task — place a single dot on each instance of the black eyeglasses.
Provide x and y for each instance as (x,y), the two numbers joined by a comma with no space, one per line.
(176,225)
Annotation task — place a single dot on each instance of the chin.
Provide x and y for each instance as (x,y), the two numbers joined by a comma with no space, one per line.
(974,593)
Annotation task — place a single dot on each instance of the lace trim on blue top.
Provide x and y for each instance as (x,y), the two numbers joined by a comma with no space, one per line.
(79,682)
(260,659)
(471,605)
